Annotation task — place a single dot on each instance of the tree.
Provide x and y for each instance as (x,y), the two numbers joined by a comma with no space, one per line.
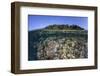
(64,27)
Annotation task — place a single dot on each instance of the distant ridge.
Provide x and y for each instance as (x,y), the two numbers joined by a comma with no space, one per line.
(64,27)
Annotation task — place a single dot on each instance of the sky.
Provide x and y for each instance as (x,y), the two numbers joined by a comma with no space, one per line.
(41,21)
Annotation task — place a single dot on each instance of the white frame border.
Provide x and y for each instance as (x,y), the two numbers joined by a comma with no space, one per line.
(25,64)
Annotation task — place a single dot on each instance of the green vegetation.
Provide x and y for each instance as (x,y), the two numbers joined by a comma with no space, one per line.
(64,27)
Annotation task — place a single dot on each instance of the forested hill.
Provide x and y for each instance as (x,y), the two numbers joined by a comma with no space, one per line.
(64,27)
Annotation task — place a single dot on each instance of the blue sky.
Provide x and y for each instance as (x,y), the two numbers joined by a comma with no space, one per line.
(41,21)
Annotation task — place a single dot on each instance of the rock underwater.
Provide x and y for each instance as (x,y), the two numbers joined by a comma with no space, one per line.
(64,48)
